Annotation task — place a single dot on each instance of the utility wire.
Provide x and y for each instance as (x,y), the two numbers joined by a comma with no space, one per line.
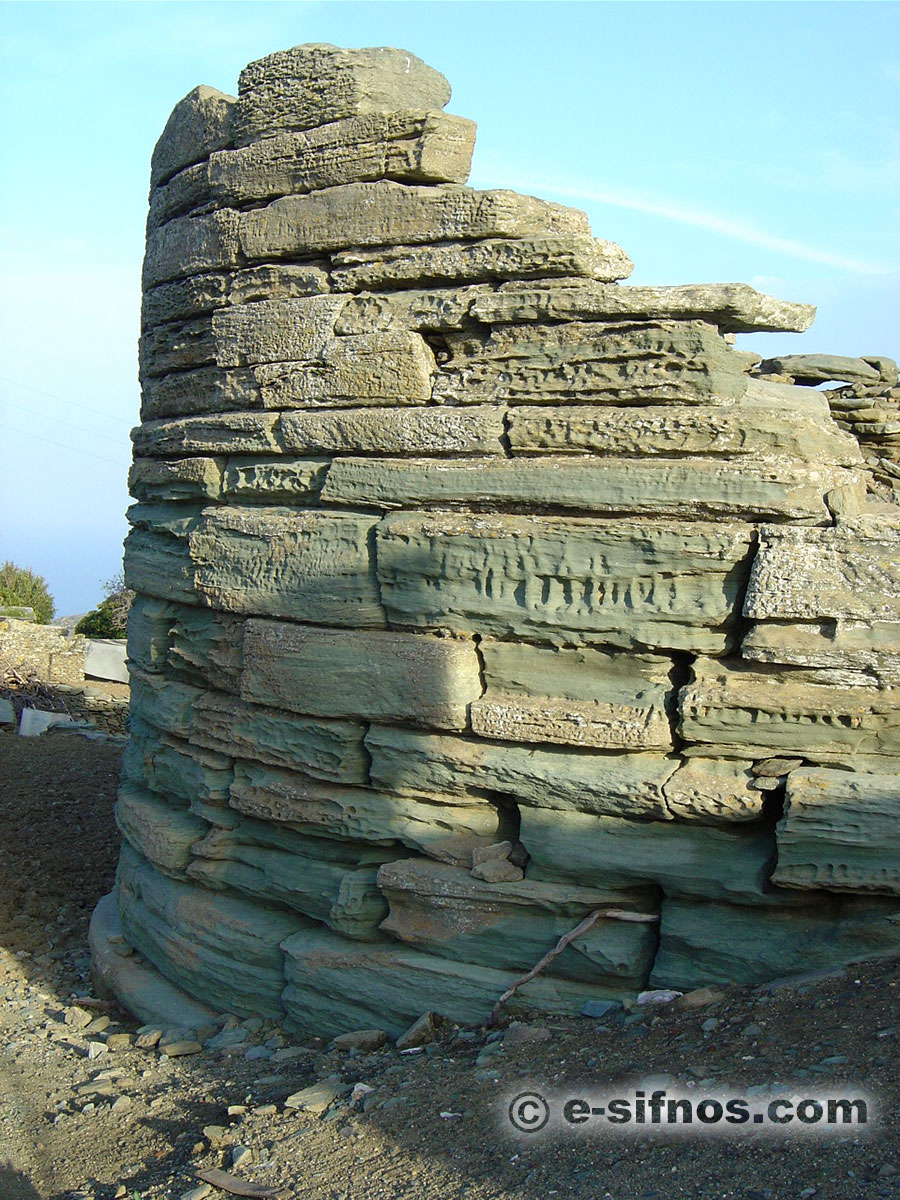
(53,396)
(117,441)
(62,446)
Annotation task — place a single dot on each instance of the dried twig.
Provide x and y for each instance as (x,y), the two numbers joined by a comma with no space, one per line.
(612,914)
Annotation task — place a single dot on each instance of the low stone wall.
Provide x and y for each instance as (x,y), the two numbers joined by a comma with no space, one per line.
(41,651)
(478,591)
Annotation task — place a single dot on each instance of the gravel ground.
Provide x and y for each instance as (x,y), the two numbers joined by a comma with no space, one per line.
(85,1112)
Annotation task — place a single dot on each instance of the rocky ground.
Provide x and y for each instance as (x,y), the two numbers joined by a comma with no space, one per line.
(91,1106)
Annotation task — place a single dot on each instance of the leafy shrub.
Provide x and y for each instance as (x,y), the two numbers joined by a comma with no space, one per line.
(20,587)
(110,618)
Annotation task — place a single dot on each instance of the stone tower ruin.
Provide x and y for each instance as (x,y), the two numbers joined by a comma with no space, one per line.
(478,591)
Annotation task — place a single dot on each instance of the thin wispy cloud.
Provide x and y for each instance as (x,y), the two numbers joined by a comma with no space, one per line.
(731,227)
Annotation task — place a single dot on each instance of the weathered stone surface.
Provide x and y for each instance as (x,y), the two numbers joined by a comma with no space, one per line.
(841,831)
(209,944)
(684,859)
(323,749)
(443,910)
(725,943)
(167,704)
(579,697)
(274,480)
(475,430)
(760,711)
(199,124)
(159,565)
(643,362)
(376,675)
(447,828)
(332,882)
(393,985)
(149,625)
(179,479)
(316,83)
(649,584)
(834,645)
(672,487)
(306,565)
(172,767)
(272,331)
(526,257)
(850,571)
(758,426)
(356,214)
(820,368)
(712,789)
(223,433)
(206,648)
(587,781)
(435,310)
(733,307)
(409,146)
(160,832)
(199,294)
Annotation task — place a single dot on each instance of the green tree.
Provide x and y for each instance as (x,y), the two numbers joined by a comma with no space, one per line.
(20,587)
(110,618)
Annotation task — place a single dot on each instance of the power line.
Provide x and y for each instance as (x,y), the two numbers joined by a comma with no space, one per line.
(21,408)
(62,446)
(62,399)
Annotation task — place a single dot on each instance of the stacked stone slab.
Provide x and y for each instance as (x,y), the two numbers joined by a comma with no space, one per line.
(477,591)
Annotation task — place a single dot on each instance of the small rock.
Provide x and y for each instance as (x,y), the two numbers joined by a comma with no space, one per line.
(97,1025)
(148,1039)
(215,1134)
(601,1008)
(658,996)
(420,1033)
(807,1192)
(122,1105)
(360,1091)
(518,1033)
(265,1110)
(77,1018)
(698,998)
(119,1041)
(197,1193)
(121,1191)
(241,1156)
(95,1049)
(232,1036)
(769,768)
(258,1053)
(888,1171)
(361,1039)
(483,854)
(318,1097)
(753,1030)
(236,1110)
(498,870)
(710,1024)
(179,1049)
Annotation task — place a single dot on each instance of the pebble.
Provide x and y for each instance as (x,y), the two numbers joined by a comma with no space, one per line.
(214,1134)
(710,1024)
(119,1041)
(601,1008)
(77,1018)
(698,998)
(421,1032)
(254,1053)
(122,1105)
(147,1039)
(241,1156)
(366,1040)
(519,1034)
(179,1049)
(197,1193)
(97,1025)
(95,1049)
(319,1097)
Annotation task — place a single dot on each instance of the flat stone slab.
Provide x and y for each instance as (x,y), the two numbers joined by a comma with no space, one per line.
(105,659)
(733,307)
(527,257)
(138,986)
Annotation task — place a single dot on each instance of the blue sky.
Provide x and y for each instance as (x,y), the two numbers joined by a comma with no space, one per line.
(713,140)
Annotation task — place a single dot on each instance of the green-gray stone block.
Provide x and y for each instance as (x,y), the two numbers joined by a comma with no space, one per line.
(373,675)
(632,584)
(160,832)
(416,763)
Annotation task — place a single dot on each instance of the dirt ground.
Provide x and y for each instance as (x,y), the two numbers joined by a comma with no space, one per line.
(85,1113)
